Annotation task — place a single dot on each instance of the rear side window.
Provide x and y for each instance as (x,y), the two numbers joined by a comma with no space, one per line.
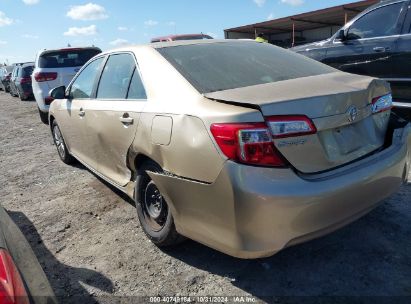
(116,77)
(380,22)
(136,90)
(66,58)
(82,87)
(229,65)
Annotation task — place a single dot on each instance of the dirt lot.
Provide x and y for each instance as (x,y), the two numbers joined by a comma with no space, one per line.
(90,245)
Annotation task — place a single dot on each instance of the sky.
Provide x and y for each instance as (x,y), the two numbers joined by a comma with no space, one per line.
(27,26)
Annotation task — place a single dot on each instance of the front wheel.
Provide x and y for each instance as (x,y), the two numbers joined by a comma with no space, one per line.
(60,144)
(152,209)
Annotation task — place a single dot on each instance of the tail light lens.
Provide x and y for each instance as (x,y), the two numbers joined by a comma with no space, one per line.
(48,100)
(382,103)
(12,290)
(252,143)
(291,126)
(249,143)
(25,80)
(42,76)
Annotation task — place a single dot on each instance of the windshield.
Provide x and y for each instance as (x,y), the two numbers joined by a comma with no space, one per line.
(66,58)
(229,65)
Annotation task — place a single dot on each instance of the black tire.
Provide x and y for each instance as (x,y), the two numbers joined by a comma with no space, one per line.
(20,96)
(44,117)
(159,229)
(60,144)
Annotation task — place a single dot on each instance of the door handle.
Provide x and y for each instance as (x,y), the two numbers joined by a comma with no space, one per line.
(126,119)
(380,49)
(81,112)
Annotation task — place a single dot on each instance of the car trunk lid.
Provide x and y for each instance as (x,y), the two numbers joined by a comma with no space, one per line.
(339,104)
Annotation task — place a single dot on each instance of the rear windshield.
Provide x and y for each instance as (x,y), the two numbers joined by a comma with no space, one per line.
(229,65)
(28,70)
(66,58)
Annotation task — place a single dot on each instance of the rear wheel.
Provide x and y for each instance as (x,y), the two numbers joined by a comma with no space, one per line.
(152,209)
(60,144)
(44,117)
(22,98)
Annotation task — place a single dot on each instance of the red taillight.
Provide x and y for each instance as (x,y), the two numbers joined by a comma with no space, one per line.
(25,80)
(248,143)
(290,126)
(382,103)
(48,100)
(43,76)
(252,143)
(12,290)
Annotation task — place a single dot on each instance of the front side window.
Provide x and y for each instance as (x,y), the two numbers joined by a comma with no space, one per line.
(377,23)
(82,87)
(116,77)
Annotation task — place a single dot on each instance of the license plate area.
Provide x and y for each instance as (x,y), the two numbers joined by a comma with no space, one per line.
(348,138)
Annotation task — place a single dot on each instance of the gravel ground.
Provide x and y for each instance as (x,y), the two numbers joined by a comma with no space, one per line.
(88,240)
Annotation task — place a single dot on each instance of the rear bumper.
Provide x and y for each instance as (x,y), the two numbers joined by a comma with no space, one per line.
(252,212)
(40,95)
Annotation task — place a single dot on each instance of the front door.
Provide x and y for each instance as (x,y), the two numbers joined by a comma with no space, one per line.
(371,43)
(72,116)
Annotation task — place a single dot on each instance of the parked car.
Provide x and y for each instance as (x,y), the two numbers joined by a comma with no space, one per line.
(22,82)
(181,37)
(5,78)
(248,148)
(14,73)
(21,276)
(55,68)
(368,46)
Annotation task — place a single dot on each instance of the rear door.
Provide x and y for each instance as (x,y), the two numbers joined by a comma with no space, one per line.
(112,118)
(371,44)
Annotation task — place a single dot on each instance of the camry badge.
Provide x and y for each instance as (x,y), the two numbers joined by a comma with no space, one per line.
(352,113)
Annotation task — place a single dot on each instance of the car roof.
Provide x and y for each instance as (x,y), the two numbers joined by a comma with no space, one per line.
(27,64)
(381,3)
(160,45)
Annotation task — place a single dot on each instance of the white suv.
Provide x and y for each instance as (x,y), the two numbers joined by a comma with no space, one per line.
(55,68)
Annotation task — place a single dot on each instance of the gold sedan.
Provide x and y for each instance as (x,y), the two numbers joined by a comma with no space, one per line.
(245,147)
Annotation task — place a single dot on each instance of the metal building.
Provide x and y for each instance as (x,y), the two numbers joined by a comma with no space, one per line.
(302,28)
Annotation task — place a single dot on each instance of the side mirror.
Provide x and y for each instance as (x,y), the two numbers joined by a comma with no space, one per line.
(342,36)
(58,93)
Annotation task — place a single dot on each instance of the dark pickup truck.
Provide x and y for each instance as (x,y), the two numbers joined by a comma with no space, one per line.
(376,43)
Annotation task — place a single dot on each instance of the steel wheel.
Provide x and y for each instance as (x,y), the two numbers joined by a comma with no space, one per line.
(154,207)
(153,211)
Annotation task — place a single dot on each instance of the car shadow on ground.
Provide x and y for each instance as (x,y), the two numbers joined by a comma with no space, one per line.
(64,279)
(370,257)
